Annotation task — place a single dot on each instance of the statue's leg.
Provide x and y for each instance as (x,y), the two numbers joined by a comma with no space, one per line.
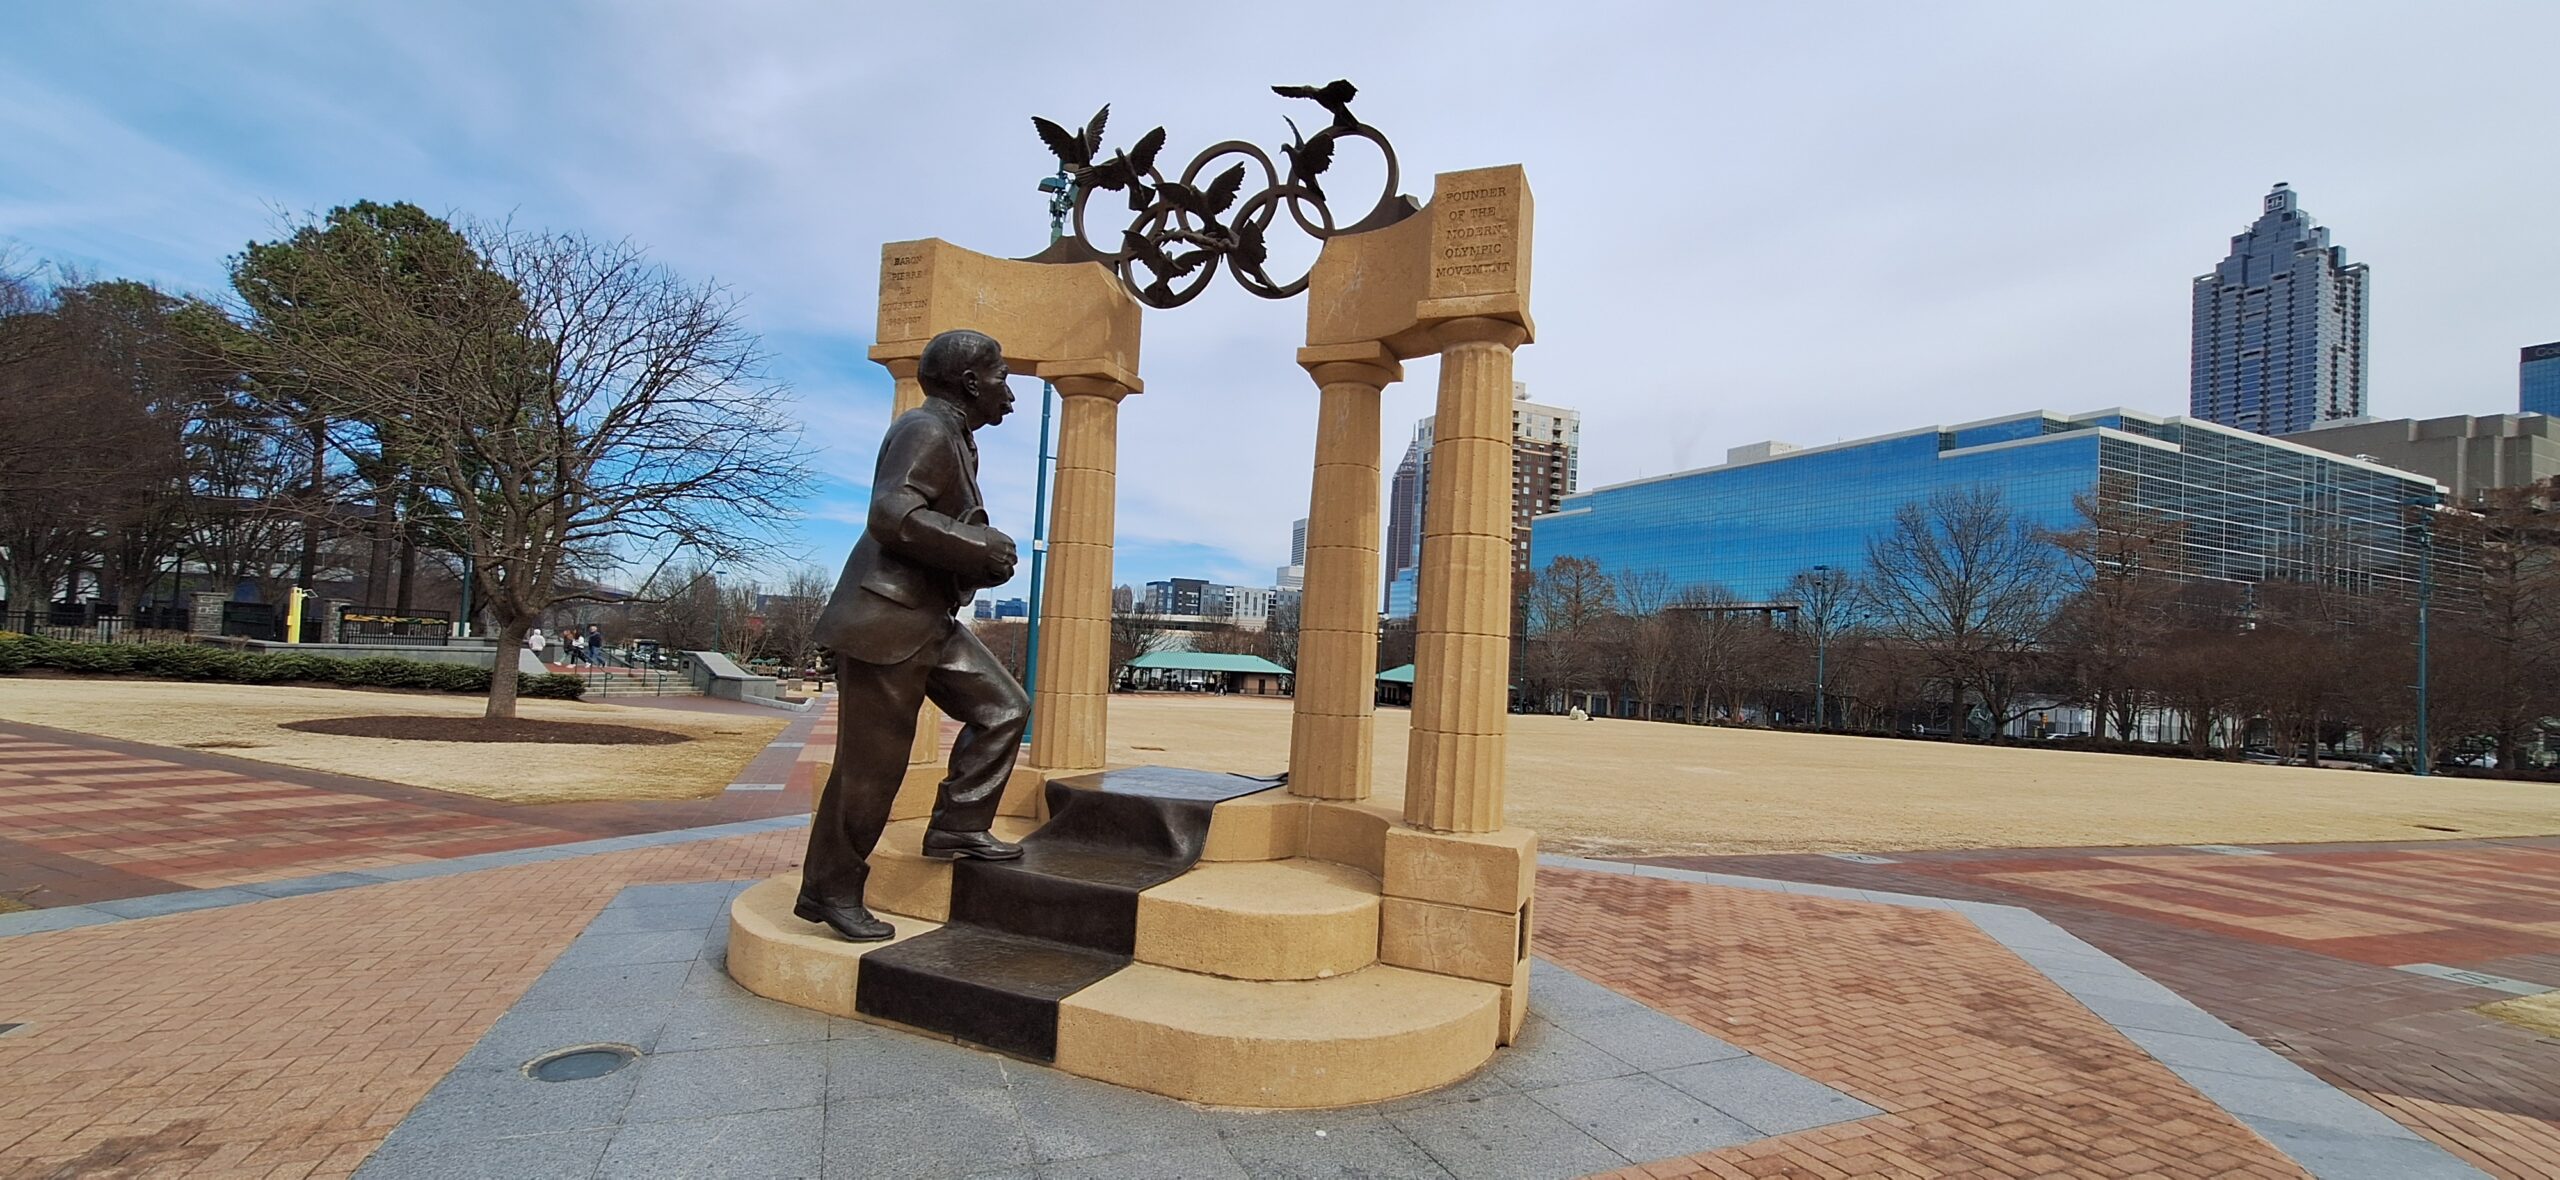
(875,722)
(972,686)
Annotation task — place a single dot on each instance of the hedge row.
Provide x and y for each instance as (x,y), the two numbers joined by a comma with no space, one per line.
(185,661)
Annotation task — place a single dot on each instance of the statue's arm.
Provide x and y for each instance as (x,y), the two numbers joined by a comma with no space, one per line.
(914,472)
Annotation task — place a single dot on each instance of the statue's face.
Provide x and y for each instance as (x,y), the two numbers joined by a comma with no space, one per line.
(985,393)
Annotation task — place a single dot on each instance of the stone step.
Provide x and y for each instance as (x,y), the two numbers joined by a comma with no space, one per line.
(906,882)
(1272,919)
(1378,1033)
(982,986)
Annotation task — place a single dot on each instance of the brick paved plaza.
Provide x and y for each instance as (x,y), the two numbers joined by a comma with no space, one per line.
(285,1032)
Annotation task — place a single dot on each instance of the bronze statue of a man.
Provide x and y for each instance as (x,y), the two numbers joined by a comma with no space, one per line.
(925,552)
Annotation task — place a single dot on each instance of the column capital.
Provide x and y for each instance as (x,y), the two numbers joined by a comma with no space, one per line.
(1089,378)
(1479,330)
(1367,362)
(900,366)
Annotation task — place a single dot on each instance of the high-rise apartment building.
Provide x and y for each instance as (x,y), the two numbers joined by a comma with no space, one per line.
(2280,328)
(2538,380)
(1546,466)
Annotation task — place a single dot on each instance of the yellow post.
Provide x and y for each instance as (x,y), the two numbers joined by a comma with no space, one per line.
(293,614)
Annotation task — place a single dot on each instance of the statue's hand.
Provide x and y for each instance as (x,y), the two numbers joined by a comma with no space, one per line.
(1001,557)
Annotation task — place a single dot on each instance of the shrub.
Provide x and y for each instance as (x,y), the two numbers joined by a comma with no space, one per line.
(183,661)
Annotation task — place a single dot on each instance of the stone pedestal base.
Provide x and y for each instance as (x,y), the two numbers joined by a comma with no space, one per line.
(1317,954)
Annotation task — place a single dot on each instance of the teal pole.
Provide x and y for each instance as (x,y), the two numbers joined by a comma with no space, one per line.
(1062,199)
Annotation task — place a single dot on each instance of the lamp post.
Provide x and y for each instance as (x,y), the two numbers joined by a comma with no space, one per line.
(2426,590)
(1821,645)
(1062,201)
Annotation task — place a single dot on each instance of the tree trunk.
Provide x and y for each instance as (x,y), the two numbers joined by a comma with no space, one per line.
(408,596)
(377,567)
(502,670)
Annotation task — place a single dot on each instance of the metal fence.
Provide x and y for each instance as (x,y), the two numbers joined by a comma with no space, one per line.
(81,624)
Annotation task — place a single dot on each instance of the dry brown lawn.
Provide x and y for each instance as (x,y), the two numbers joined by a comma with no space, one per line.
(246,721)
(1633,787)
(2541,1013)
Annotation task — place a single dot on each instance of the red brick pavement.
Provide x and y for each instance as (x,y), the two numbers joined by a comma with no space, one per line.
(86,819)
(286,1038)
(2297,950)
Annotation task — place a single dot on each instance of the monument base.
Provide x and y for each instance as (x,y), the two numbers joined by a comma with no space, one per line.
(1195,935)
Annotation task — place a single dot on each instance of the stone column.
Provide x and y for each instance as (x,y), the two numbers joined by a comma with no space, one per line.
(1069,702)
(1332,718)
(1462,631)
(926,751)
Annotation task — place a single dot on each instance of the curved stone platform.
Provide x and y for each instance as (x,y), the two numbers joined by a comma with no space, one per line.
(1374,1033)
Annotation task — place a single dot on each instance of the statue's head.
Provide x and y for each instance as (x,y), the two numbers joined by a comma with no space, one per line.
(968,368)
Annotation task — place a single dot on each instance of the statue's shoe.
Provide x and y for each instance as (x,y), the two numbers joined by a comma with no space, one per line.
(941,845)
(855,923)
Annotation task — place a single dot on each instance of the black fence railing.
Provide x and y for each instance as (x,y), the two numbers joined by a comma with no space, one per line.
(81,624)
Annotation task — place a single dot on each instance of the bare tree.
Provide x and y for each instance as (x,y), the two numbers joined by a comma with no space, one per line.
(1280,632)
(566,403)
(1827,602)
(791,617)
(1650,654)
(1566,605)
(1972,587)
(1136,632)
(2124,562)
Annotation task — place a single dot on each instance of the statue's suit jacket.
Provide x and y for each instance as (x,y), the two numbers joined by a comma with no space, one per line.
(904,582)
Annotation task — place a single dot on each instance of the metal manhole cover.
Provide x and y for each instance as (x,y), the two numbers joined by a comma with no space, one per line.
(580,1063)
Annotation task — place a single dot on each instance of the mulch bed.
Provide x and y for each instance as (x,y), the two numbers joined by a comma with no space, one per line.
(477,729)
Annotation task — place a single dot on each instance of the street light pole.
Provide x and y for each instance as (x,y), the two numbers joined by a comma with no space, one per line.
(1062,200)
(2426,589)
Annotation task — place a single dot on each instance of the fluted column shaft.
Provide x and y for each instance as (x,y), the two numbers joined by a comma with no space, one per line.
(1332,717)
(1068,704)
(1462,627)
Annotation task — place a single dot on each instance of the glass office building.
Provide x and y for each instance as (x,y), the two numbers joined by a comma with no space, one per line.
(2279,327)
(2255,508)
(2538,380)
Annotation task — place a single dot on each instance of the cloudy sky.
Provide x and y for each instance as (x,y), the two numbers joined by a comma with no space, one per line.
(1806,221)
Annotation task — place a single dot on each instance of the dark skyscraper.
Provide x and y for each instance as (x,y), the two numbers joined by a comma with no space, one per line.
(2280,328)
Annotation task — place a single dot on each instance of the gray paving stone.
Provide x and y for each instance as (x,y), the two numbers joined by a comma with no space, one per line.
(2181,1052)
(709,980)
(1765,1096)
(1649,1040)
(1363,1147)
(695,893)
(2337,1155)
(1070,1117)
(1642,1118)
(648,946)
(1475,1087)
(1198,1161)
(729,1022)
(926,1133)
(521,1035)
(2308,1103)
(690,916)
(318,883)
(571,1154)
(706,1082)
(495,1104)
(1546,1055)
(867,1061)
(1558,995)
(606,985)
(175,903)
(765,1145)
(57,918)
(2126,984)
(2180,1017)
(1509,1135)
(423,868)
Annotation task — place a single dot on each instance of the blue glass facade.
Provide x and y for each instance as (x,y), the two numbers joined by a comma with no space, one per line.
(2538,380)
(2254,508)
